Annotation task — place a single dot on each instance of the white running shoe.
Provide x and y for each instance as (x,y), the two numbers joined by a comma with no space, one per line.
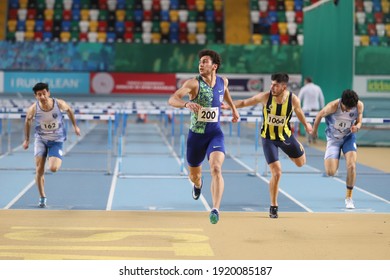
(349,203)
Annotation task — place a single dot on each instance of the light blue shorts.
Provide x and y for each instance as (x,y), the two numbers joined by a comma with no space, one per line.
(335,146)
(43,148)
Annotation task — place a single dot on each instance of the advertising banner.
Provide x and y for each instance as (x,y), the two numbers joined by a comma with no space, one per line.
(372,86)
(130,83)
(68,83)
(1,81)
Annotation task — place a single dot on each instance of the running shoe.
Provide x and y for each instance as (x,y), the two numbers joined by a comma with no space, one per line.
(349,203)
(214,216)
(42,202)
(197,191)
(273,212)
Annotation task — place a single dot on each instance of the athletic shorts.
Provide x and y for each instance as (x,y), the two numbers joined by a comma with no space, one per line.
(200,145)
(290,147)
(44,148)
(335,146)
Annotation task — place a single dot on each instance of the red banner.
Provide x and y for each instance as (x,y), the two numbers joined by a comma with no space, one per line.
(127,83)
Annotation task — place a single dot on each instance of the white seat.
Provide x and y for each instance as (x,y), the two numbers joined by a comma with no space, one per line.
(84,26)
(147,5)
(68,4)
(92,37)
(300,39)
(165,5)
(201,38)
(22,14)
(50,4)
(93,14)
(191,27)
(146,38)
(19,36)
(292,28)
(356,40)
(255,16)
(263,5)
(290,16)
(361,17)
(147,26)
(368,6)
(183,15)
(111,4)
(380,29)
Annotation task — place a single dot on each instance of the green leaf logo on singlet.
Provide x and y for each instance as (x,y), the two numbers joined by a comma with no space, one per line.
(204,99)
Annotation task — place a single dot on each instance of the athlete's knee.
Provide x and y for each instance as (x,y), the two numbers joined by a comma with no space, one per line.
(54,168)
(351,167)
(195,177)
(301,161)
(331,172)
(215,170)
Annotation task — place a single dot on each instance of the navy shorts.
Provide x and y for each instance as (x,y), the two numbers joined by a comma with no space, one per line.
(43,148)
(290,146)
(200,145)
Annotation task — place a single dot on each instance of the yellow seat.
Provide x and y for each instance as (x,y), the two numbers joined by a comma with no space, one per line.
(11,24)
(84,14)
(30,24)
(257,39)
(201,27)
(200,5)
(164,26)
(364,40)
(48,13)
(191,37)
(93,26)
(289,5)
(282,26)
(102,37)
(120,15)
(156,38)
(174,15)
(387,27)
(29,35)
(65,36)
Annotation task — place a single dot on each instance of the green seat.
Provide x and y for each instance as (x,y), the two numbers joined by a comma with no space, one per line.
(103,15)
(57,14)
(281,16)
(74,26)
(85,4)
(361,29)
(192,15)
(58,4)
(137,38)
(156,27)
(266,40)
(210,27)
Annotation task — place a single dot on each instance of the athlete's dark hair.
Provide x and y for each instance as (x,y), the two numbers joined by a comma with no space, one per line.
(40,86)
(280,78)
(349,98)
(215,57)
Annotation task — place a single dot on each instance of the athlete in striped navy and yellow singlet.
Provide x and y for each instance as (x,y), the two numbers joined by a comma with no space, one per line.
(276,124)
(205,137)
(278,106)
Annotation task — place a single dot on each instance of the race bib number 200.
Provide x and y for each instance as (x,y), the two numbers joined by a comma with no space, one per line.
(208,114)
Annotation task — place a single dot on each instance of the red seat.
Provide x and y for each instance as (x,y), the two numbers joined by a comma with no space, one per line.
(67,15)
(298,16)
(48,25)
(31,13)
(128,37)
(129,26)
(13,14)
(284,39)
(102,26)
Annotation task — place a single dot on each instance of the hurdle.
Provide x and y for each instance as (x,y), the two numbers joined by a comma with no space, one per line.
(79,117)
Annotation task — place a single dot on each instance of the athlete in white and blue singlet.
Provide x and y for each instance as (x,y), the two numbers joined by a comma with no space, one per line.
(50,133)
(206,93)
(343,119)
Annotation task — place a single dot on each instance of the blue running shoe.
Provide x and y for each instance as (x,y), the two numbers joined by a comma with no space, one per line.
(214,216)
(42,202)
(197,191)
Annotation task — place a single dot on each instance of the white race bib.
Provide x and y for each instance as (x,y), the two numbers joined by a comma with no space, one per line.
(342,125)
(208,114)
(276,120)
(50,125)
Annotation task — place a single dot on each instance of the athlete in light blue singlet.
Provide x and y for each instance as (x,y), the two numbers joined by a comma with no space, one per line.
(343,119)
(206,93)
(50,133)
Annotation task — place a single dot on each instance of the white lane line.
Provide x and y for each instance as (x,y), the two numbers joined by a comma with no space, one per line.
(29,185)
(267,181)
(202,198)
(113,186)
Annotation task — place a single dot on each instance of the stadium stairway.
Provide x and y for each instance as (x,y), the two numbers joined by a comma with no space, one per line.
(237,25)
(3,19)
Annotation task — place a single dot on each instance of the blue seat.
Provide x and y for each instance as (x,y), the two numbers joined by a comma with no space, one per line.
(13,4)
(174,37)
(119,27)
(275,39)
(65,25)
(47,36)
(111,37)
(174,5)
(298,5)
(174,27)
(76,14)
(272,16)
(21,25)
(374,41)
(76,4)
(138,15)
(209,15)
(164,15)
(39,25)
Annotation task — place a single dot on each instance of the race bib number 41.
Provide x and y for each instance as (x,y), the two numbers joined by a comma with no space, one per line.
(208,114)
(49,125)
(276,120)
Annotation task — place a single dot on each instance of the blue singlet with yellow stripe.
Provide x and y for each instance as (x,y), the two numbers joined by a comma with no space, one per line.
(276,119)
